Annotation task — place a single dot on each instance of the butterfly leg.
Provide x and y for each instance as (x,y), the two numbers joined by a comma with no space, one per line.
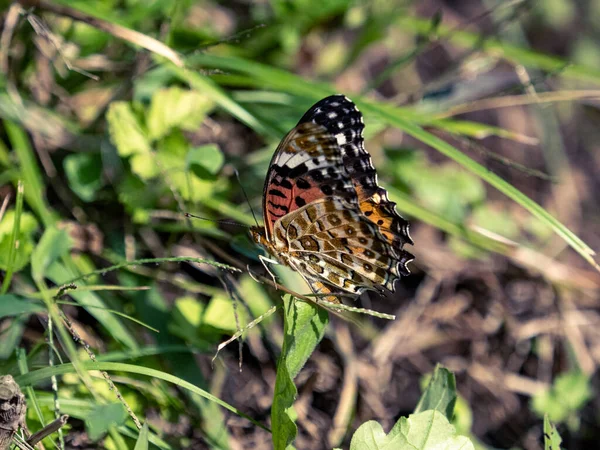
(252,274)
(264,262)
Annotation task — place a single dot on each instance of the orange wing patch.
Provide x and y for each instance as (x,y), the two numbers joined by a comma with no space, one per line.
(382,212)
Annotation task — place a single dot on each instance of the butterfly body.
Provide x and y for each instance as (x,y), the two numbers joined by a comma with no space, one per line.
(325,215)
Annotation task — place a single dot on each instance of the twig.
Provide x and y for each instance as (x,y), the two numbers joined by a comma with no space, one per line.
(10,22)
(52,427)
(61,438)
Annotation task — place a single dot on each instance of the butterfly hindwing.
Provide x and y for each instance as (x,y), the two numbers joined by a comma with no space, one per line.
(335,243)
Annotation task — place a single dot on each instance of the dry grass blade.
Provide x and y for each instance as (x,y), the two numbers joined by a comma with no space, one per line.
(118,31)
(520,100)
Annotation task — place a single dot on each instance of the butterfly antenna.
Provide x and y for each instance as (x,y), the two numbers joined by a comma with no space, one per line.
(226,222)
(237,175)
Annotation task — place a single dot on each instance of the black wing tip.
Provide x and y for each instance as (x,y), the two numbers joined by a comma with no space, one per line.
(331,103)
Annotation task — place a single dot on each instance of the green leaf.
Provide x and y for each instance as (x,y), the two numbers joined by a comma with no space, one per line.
(53,244)
(142,442)
(144,165)
(176,108)
(13,305)
(84,174)
(552,439)
(126,132)
(102,417)
(569,393)
(219,314)
(440,394)
(205,161)
(304,327)
(428,430)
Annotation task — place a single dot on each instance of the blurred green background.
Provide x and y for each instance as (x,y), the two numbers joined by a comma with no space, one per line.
(120,116)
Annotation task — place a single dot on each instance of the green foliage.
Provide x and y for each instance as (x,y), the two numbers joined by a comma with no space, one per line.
(13,305)
(151,139)
(428,428)
(423,431)
(304,327)
(561,403)
(84,174)
(176,108)
(53,244)
(142,442)
(552,439)
(440,394)
(102,417)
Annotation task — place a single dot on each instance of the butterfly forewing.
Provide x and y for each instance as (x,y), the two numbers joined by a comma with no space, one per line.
(306,166)
(340,116)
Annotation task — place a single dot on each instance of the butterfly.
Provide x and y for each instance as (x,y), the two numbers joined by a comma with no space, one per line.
(325,215)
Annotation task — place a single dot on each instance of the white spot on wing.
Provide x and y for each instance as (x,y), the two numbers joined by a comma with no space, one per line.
(341,139)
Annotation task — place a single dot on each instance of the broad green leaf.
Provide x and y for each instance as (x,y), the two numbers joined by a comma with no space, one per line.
(440,393)
(13,305)
(126,132)
(304,327)
(428,430)
(219,314)
(205,161)
(53,244)
(144,165)
(569,393)
(552,439)
(142,442)
(176,108)
(102,417)
(84,174)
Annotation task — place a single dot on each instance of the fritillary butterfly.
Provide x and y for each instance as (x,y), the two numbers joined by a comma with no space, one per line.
(325,215)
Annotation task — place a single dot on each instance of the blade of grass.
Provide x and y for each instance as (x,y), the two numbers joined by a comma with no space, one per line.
(137,262)
(29,171)
(388,115)
(112,311)
(32,378)
(208,87)
(13,239)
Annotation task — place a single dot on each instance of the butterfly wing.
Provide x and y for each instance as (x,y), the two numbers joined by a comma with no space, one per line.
(306,166)
(336,246)
(340,116)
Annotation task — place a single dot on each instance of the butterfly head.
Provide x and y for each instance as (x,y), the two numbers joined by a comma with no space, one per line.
(259,236)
